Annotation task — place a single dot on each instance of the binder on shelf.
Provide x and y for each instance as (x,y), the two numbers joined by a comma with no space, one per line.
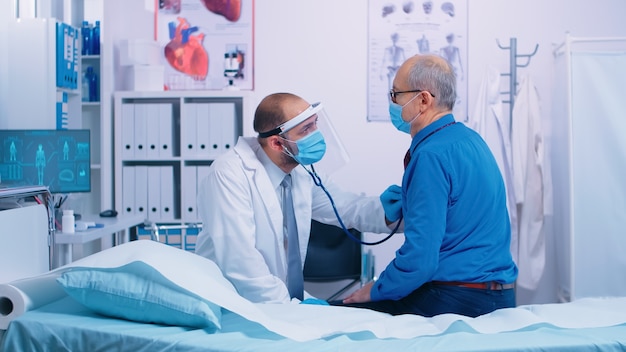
(128,190)
(165,131)
(227,125)
(141,190)
(139,131)
(128,134)
(167,193)
(188,130)
(203,140)
(152,130)
(154,193)
(215,129)
(189,193)
(202,172)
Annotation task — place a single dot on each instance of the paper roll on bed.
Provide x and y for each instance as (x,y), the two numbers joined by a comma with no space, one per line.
(23,295)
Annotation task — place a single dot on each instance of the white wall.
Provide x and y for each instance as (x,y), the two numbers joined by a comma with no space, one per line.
(318,49)
(323,49)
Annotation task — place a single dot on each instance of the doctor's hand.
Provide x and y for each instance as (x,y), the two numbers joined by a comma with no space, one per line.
(361,295)
(392,204)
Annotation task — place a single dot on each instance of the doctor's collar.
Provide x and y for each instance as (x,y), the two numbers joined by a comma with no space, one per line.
(286,126)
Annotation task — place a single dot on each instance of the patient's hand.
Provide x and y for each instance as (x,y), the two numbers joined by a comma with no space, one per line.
(361,295)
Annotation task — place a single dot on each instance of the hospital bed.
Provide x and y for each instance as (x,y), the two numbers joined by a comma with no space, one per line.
(146,296)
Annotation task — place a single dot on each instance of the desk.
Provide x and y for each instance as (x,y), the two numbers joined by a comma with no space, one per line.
(118,226)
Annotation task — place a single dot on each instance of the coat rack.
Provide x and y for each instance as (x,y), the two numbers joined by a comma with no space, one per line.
(513,55)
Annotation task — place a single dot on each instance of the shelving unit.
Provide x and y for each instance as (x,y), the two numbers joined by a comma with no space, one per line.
(91,118)
(164,143)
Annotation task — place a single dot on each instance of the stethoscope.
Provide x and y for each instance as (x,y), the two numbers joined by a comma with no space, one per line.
(318,182)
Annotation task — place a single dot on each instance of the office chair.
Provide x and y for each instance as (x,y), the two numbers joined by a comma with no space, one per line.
(332,256)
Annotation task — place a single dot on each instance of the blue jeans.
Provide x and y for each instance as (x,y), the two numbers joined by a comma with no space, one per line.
(433,299)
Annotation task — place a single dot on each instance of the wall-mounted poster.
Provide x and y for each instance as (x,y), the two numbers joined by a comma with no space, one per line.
(399,29)
(207,44)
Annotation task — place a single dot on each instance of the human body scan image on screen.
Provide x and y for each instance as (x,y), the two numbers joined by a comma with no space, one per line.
(57,159)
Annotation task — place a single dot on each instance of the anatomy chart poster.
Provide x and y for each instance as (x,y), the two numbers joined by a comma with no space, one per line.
(207,44)
(399,29)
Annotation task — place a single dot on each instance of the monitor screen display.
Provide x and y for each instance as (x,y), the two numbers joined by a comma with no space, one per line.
(57,159)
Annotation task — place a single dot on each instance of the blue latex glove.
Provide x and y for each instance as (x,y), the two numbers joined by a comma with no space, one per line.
(392,202)
(317,301)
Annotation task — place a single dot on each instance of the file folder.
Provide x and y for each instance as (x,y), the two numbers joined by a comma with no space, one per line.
(128,134)
(154,193)
(188,130)
(152,120)
(165,131)
(205,145)
(167,193)
(141,190)
(128,190)
(189,193)
(203,171)
(139,131)
(228,126)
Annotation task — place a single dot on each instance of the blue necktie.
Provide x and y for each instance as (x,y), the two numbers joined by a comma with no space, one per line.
(295,279)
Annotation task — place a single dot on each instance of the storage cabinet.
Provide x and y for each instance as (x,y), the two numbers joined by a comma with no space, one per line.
(164,143)
(38,93)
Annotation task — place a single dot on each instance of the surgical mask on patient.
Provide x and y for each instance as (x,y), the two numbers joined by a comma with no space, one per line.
(311,148)
(395,112)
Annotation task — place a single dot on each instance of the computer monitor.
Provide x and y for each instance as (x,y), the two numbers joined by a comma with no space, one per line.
(57,159)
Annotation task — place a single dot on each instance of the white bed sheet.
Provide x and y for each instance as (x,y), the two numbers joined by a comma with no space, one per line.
(65,325)
(300,322)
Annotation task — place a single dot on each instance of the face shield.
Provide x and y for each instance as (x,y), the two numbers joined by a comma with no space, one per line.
(310,138)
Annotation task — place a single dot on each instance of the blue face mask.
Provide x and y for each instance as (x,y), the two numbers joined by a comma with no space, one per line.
(395,112)
(311,148)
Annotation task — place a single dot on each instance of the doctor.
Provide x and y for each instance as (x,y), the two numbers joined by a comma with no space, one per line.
(241,200)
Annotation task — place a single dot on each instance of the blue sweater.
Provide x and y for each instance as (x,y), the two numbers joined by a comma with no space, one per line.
(456,222)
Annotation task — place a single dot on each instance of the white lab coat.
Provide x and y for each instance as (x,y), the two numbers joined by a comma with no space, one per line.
(489,121)
(243,222)
(533,190)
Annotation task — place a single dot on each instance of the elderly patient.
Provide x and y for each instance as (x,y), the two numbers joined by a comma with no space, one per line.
(455,257)
(245,202)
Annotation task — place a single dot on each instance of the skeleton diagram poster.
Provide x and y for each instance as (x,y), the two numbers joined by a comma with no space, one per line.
(399,29)
(207,44)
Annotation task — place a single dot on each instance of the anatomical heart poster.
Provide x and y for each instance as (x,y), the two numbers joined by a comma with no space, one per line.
(207,44)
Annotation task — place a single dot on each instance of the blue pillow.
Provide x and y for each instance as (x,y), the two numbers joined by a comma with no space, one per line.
(138,292)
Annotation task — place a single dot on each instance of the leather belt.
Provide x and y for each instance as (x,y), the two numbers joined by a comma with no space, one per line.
(492,286)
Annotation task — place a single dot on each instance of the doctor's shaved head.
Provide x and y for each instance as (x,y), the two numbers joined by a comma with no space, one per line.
(276,109)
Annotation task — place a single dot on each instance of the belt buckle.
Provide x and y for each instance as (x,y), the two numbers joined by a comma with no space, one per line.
(496,286)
